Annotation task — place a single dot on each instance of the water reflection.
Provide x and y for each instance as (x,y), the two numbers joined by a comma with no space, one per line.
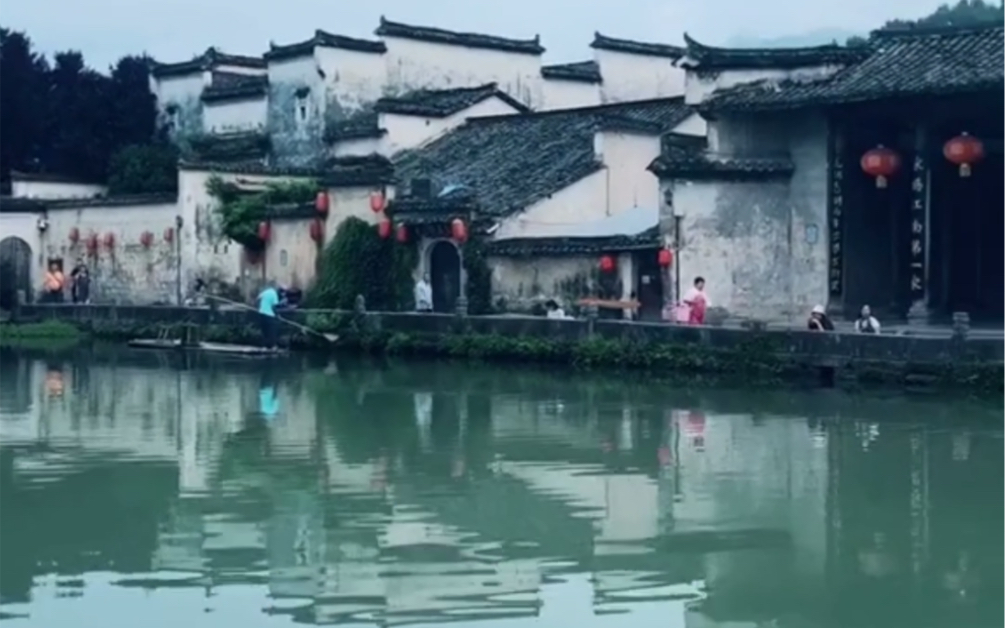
(142,491)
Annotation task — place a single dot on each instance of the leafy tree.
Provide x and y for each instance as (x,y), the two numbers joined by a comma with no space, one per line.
(963,13)
(21,99)
(144,169)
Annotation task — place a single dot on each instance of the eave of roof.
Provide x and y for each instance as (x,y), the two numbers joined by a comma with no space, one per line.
(326,40)
(127,200)
(628,46)
(702,57)
(388,28)
(45,177)
(206,61)
(578,72)
(441,103)
(234,87)
(520,247)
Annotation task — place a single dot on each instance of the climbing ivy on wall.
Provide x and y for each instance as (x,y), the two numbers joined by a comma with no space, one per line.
(240,211)
(478,287)
(357,261)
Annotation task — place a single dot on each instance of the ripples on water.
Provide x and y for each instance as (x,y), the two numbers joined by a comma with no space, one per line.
(141,492)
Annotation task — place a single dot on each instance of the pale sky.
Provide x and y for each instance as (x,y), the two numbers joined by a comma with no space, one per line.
(176,30)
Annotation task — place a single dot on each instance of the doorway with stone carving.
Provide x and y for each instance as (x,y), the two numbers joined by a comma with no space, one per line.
(445,275)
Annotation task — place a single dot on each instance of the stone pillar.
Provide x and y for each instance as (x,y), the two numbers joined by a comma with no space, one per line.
(835,219)
(919,237)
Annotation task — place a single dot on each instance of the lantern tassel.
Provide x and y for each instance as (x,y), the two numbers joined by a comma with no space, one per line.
(965,170)
(880,181)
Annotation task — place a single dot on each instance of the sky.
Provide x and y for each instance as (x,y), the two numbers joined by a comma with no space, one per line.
(177,30)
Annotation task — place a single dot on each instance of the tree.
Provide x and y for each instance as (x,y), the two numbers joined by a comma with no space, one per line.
(963,13)
(143,169)
(69,119)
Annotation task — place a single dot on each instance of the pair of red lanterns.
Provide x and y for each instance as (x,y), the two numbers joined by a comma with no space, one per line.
(664,258)
(963,150)
(458,230)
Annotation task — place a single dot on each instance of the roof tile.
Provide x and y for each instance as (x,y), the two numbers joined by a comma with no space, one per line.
(226,86)
(702,57)
(580,72)
(440,103)
(324,39)
(388,28)
(629,46)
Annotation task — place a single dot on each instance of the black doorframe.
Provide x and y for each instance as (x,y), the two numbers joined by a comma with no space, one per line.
(445,275)
(648,284)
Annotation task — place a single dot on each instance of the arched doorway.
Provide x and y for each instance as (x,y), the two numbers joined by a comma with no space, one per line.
(445,276)
(15,271)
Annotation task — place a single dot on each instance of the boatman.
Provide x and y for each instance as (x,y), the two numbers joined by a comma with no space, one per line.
(268,301)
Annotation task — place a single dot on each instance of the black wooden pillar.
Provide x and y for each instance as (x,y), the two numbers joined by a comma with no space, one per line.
(835,218)
(918,238)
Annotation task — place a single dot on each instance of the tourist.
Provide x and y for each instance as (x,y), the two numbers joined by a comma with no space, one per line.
(268,301)
(80,291)
(697,302)
(867,323)
(54,282)
(423,295)
(819,321)
(553,310)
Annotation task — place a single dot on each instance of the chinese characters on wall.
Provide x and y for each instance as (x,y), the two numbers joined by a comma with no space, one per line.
(919,199)
(835,226)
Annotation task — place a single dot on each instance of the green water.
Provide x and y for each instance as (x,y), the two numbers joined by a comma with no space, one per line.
(138,491)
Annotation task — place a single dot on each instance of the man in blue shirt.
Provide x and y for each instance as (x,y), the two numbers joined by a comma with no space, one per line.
(268,301)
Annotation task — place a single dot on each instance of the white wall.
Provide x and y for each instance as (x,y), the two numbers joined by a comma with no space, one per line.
(424,65)
(233,116)
(352,79)
(32,188)
(559,94)
(359,147)
(583,201)
(694,124)
(405,132)
(182,92)
(127,272)
(626,157)
(637,77)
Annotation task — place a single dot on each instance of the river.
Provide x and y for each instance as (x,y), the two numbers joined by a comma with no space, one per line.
(140,489)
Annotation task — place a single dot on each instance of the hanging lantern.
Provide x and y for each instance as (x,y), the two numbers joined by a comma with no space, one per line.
(74,235)
(109,240)
(377,202)
(264,231)
(402,234)
(964,151)
(321,203)
(317,230)
(882,163)
(169,235)
(384,229)
(606,264)
(665,258)
(458,230)
(92,242)
(146,239)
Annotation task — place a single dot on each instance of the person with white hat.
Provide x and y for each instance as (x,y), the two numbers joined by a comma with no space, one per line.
(819,321)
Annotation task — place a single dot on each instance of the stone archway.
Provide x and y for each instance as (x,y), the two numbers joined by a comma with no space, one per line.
(445,275)
(15,271)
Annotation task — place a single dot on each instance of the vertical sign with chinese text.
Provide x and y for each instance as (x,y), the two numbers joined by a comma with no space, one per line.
(835,217)
(919,224)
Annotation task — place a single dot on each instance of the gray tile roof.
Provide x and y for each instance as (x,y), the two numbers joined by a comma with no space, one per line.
(704,57)
(898,64)
(226,86)
(511,162)
(324,39)
(518,247)
(208,60)
(388,28)
(686,157)
(629,46)
(359,124)
(440,103)
(580,72)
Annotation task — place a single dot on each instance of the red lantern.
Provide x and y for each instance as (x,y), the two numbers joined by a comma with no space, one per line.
(74,235)
(377,202)
(606,264)
(92,242)
(317,230)
(109,240)
(169,235)
(146,239)
(384,229)
(882,163)
(964,151)
(264,231)
(402,234)
(458,230)
(665,258)
(321,203)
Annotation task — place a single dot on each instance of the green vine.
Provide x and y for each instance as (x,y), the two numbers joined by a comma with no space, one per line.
(478,287)
(357,261)
(241,211)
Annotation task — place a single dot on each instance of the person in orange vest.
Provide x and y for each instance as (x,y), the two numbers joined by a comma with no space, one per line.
(54,283)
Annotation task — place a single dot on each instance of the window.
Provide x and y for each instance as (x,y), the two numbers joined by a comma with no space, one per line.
(301,105)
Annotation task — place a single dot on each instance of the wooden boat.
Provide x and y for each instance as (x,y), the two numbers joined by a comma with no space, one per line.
(207,347)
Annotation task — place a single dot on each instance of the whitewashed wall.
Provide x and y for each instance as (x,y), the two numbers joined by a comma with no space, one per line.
(559,94)
(28,187)
(423,65)
(405,132)
(637,77)
(352,79)
(234,116)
